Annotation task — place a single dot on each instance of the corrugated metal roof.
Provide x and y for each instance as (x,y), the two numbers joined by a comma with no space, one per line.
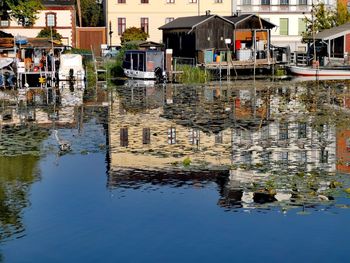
(334,32)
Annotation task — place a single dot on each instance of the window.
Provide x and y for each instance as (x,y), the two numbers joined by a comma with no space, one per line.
(218,138)
(284,158)
(146,136)
(218,1)
(170,1)
(144,2)
(246,2)
(192,1)
(265,2)
(121,1)
(323,156)
(194,136)
(284,2)
(301,130)
(283,132)
(121,25)
(302,2)
(51,19)
(124,140)
(168,20)
(171,135)
(4,23)
(284,26)
(144,24)
(301,26)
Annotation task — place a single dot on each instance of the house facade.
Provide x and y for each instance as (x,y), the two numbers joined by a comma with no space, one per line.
(58,14)
(151,14)
(287,15)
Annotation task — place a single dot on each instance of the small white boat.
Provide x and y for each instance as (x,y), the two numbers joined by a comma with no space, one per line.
(144,64)
(343,72)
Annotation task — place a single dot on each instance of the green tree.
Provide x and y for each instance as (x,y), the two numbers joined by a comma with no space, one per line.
(91,13)
(133,34)
(46,33)
(23,11)
(322,18)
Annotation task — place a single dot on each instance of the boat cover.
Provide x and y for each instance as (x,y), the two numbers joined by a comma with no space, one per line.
(4,62)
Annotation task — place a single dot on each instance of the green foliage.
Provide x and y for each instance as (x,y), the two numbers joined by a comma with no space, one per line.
(186,162)
(343,15)
(133,34)
(3,34)
(46,33)
(91,13)
(24,12)
(323,18)
(192,75)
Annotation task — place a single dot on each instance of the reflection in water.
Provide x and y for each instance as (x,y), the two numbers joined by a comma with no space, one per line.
(276,144)
(28,126)
(17,173)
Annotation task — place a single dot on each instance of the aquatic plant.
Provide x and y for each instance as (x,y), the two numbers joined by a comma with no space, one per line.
(192,75)
(186,162)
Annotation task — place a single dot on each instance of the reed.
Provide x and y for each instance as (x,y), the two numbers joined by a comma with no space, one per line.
(193,75)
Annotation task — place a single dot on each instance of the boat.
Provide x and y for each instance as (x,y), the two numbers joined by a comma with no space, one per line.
(71,68)
(144,64)
(341,71)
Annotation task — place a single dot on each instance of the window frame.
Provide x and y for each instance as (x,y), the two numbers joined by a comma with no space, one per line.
(54,19)
(145,24)
(287,29)
(121,25)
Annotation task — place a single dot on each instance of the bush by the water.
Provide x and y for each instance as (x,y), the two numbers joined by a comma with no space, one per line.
(193,74)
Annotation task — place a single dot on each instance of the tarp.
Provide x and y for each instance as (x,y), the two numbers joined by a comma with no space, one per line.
(4,62)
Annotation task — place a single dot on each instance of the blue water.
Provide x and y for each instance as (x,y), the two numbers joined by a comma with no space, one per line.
(74,217)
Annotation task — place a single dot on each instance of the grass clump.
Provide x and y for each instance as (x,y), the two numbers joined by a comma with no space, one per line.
(193,75)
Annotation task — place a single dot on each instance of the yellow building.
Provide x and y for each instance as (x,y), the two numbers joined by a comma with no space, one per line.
(151,14)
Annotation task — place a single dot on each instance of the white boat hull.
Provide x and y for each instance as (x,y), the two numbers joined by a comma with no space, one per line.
(319,72)
(136,74)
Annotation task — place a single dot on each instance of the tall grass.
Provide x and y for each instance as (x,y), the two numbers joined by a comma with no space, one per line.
(192,75)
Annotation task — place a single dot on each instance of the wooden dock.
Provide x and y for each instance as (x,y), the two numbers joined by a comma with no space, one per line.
(236,64)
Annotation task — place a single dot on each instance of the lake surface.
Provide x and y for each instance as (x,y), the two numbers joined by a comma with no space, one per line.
(245,171)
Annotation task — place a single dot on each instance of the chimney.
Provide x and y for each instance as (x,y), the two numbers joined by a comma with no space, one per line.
(207,12)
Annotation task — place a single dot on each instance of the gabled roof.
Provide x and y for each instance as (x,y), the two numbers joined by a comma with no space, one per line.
(333,32)
(190,22)
(57,2)
(239,19)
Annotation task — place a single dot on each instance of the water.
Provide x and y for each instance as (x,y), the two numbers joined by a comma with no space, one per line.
(179,174)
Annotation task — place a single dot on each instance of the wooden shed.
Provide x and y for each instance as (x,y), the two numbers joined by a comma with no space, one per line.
(337,39)
(187,35)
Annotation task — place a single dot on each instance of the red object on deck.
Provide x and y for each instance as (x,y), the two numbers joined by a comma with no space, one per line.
(238,44)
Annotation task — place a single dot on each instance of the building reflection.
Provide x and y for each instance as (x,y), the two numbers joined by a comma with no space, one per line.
(273,142)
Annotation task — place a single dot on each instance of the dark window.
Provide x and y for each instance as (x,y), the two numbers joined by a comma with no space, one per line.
(283,132)
(124,140)
(302,130)
(146,135)
(121,1)
(144,2)
(323,156)
(194,136)
(302,2)
(121,25)
(144,24)
(192,1)
(170,1)
(265,2)
(284,2)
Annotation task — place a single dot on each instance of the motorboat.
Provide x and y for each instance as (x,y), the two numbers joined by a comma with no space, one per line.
(339,71)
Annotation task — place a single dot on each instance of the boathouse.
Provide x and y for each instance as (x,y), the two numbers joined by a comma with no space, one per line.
(188,35)
(337,40)
(212,38)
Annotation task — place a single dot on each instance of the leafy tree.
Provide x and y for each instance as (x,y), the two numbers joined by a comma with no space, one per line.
(323,18)
(46,33)
(343,15)
(133,34)
(23,11)
(91,12)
